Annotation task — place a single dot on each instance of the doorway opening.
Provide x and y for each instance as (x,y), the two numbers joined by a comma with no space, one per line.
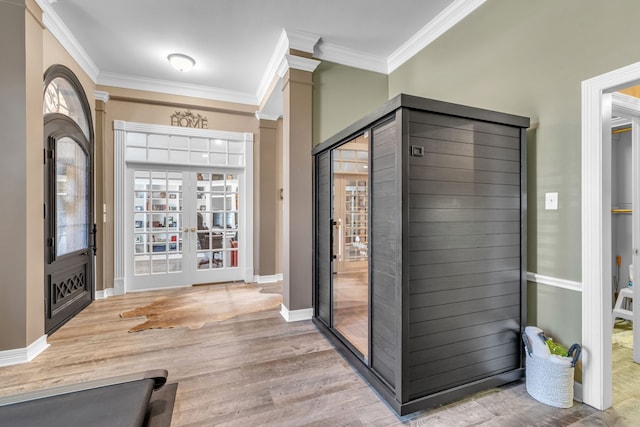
(597,265)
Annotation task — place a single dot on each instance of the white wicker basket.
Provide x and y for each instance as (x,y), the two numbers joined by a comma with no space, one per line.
(548,382)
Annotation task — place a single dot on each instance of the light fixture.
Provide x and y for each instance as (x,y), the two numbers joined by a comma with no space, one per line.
(181,62)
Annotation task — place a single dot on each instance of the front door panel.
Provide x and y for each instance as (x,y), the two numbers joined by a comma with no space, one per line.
(69,235)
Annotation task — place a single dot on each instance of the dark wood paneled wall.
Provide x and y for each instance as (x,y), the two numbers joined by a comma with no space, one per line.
(385,250)
(463,251)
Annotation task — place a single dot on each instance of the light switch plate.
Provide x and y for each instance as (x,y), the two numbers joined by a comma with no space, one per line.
(551,201)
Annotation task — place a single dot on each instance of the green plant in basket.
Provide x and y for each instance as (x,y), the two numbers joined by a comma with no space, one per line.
(556,348)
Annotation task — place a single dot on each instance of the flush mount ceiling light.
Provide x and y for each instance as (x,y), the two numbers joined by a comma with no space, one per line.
(181,62)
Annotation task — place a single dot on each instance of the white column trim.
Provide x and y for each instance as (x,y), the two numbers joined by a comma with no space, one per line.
(119,178)
(248,211)
(23,355)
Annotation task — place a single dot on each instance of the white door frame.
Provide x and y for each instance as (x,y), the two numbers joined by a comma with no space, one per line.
(188,144)
(596,233)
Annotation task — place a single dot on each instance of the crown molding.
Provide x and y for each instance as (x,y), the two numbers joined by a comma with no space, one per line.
(297,40)
(445,20)
(297,63)
(175,88)
(266,116)
(272,67)
(61,32)
(304,42)
(350,57)
(101,95)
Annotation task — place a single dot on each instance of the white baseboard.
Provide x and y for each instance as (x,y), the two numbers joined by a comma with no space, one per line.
(105,293)
(554,281)
(23,355)
(296,315)
(268,279)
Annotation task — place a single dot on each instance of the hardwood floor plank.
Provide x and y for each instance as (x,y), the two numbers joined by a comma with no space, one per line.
(257,369)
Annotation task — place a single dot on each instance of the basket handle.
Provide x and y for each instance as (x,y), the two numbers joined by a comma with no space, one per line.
(527,346)
(574,352)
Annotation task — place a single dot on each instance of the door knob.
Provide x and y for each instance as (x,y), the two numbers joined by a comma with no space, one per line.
(186,230)
(193,229)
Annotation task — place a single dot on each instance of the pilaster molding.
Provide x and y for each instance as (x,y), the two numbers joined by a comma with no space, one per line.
(119,178)
(296,63)
(265,116)
(101,95)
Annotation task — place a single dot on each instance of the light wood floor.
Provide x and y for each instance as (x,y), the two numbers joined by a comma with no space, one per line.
(351,308)
(256,369)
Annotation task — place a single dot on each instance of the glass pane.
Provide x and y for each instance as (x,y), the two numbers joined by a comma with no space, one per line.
(350,268)
(72,204)
(157,220)
(61,97)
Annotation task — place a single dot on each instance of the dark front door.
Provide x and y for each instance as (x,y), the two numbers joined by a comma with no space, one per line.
(69,230)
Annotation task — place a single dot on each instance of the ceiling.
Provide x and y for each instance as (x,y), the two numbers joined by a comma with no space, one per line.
(239,44)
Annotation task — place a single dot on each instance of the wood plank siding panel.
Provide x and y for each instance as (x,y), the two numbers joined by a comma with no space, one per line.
(463,251)
(385,247)
(323,237)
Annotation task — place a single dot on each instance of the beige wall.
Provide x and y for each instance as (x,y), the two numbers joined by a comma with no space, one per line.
(266,198)
(21,174)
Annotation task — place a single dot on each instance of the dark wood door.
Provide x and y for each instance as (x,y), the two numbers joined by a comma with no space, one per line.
(324,240)
(69,232)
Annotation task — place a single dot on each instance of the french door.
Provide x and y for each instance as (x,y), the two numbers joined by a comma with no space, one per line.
(185,226)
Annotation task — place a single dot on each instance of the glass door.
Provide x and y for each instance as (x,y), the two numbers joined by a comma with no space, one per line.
(350,243)
(159,229)
(217,206)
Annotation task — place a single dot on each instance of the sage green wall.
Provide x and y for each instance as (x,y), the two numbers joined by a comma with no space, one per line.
(529,58)
(342,95)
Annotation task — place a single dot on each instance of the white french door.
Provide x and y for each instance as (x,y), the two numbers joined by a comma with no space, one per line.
(186,226)
(183,206)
